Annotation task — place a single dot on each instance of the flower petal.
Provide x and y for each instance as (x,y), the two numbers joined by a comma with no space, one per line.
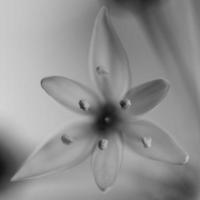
(107,51)
(69,92)
(103,83)
(146,96)
(147,139)
(106,162)
(65,150)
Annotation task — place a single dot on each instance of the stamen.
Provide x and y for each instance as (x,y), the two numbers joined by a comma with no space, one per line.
(125,103)
(84,105)
(147,142)
(101,70)
(66,139)
(103,144)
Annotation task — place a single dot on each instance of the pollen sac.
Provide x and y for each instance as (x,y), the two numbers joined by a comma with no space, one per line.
(147,142)
(84,105)
(66,139)
(103,144)
(125,103)
(101,70)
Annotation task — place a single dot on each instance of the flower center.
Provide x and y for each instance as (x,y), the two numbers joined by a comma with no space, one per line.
(107,118)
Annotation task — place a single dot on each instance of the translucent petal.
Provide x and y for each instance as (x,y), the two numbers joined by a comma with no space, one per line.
(69,92)
(103,83)
(106,51)
(158,144)
(106,162)
(63,151)
(146,96)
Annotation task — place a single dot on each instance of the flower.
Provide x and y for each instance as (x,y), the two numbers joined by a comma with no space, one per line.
(113,116)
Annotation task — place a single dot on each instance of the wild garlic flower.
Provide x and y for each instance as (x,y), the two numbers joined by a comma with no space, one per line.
(112,112)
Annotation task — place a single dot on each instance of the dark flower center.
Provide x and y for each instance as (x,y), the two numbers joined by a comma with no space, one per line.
(107,118)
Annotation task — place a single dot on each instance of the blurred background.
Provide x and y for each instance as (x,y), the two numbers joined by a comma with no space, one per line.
(40,38)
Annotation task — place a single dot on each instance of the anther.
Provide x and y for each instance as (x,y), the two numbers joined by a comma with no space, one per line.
(125,103)
(84,105)
(147,142)
(103,144)
(101,70)
(66,139)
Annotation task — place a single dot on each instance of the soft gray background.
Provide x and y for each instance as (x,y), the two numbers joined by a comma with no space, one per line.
(39,38)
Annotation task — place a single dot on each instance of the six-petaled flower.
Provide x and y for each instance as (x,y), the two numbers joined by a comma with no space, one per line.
(113,112)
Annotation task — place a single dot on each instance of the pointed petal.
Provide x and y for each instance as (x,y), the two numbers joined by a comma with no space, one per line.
(106,51)
(103,83)
(65,150)
(106,162)
(146,96)
(148,140)
(69,92)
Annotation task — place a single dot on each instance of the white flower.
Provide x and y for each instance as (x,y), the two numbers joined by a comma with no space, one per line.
(112,111)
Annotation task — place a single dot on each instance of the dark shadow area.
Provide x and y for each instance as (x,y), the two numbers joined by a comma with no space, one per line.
(136,6)
(196,7)
(12,153)
(8,164)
